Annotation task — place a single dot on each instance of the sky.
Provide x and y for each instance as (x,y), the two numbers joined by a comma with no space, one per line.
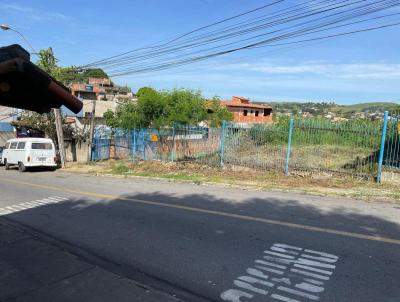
(352,69)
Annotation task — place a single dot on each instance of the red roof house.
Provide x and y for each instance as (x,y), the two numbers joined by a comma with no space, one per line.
(246,112)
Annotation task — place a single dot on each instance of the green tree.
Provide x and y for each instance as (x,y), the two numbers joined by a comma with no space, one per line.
(47,61)
(67,75)
(127,116)
(144,90)
(94,73)
(184,107)
(152,108)
(216,113)
(157,109)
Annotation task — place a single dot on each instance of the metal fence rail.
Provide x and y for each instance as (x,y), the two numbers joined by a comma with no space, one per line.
(323,145)
(315,145)
(391,158)
(260,146)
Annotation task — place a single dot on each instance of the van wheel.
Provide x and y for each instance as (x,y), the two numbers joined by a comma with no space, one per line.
(6,164)
(21,167)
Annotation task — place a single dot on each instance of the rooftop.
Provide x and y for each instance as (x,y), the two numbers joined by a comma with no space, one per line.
(238,101)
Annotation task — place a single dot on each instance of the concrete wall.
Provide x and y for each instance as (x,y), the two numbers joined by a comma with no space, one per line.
(101,107)
(5,136)
(239,117)
(76,152)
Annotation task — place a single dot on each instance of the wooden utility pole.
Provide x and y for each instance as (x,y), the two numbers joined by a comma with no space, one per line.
(60,136)
(57,117)
(91,130)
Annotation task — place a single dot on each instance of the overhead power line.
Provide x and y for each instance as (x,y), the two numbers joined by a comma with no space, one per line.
(293,24)
(303,31)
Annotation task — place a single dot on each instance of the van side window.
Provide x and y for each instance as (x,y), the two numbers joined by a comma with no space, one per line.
(42,146)
(13,145)
(7,146)
(21,146)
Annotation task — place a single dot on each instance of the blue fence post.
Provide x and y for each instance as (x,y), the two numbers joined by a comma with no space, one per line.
(382,150)
(173,144)
(288,146)
(223,143)
(134,145)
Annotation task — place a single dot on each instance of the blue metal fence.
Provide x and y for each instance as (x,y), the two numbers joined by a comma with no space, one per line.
(391,157)
(357,148)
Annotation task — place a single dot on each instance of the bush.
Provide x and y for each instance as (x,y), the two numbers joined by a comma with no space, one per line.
(120,168)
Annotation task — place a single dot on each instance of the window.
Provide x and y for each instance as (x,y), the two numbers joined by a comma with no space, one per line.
(7,146)
(244,112)
(13,145)
(251,111)
(267,112)
(256,112)
(42,146)
(21,146)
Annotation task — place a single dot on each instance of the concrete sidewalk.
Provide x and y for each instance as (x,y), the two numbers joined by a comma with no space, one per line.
(34,270)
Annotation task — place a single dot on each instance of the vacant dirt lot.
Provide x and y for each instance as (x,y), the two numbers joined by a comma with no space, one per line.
(318,183)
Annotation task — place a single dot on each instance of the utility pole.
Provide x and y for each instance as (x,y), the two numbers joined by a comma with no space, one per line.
(91,130)
(60,136)
(58,120)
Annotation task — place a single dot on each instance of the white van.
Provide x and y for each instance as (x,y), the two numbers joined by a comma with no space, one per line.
(30,152)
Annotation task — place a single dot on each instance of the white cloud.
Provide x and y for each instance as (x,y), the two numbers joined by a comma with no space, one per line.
(33,14)
(340,70)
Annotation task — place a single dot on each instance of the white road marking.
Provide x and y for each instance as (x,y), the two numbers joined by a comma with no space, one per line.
(310,288)
(271,270)
(283,250)
(256,273)
(323,259)
(313,269)
(279,255)
(303,274)
(322,254)
(298,293)
(316,282)
(283,298)
(270,264)
(249,287)
(31,204)
(234,295)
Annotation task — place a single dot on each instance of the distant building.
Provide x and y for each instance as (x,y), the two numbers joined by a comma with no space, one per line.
(101,89)
(8,114)
(246,112)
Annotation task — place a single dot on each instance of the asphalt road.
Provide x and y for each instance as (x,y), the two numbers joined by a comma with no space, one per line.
(205,243)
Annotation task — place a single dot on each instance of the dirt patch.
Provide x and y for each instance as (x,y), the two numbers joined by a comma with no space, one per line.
(315,183)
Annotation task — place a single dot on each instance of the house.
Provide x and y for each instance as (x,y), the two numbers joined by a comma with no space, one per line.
(81,120)
(246,112)
(101,89)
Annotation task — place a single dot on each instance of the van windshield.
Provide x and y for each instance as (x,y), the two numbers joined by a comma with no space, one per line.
(42,146)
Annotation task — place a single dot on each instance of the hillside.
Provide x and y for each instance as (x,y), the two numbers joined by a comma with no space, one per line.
(323,108)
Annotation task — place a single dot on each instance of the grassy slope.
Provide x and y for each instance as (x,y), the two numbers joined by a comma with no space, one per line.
(364,107)
(361,107)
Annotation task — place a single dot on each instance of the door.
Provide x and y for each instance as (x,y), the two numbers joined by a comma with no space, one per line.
(42,153)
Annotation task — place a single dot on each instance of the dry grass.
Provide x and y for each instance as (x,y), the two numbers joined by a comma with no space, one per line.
(311,183)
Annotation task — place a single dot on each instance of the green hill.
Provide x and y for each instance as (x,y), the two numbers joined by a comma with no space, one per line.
(319,109)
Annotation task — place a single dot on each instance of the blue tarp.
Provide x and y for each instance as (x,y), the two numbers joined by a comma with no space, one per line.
(6,127)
